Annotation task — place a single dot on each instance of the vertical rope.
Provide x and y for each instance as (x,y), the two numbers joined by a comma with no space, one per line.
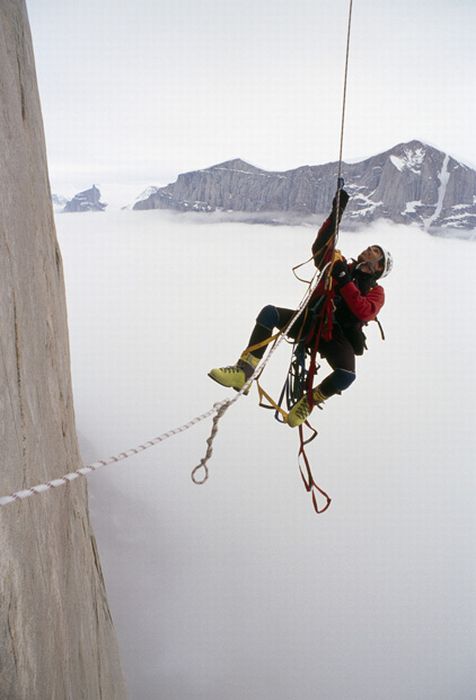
(308,479)
(344,96)
(342,124)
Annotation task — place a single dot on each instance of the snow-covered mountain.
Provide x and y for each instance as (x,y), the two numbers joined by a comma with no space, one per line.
(410,183)
(88,200)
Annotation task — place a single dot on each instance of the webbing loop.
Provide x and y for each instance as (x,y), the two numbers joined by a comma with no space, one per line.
(263,343)
(306,474)
(272,403)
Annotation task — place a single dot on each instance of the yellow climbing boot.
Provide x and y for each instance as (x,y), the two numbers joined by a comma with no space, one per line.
(237,375)
(300,411)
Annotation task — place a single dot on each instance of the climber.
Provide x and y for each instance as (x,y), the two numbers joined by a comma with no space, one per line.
(356,299)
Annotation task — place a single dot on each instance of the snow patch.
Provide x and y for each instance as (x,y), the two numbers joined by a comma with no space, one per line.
(366,205)
(460,221)
(411,160)
(398,163)
(411,207)
(146,194)
(443,177)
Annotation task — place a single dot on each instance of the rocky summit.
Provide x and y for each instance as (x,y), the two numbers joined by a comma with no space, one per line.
(410,183)
(89,200)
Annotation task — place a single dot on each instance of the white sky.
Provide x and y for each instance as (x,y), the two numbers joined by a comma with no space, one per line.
(136,91)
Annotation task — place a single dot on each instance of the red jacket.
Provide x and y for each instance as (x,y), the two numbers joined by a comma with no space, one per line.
(365,307)
(359,305)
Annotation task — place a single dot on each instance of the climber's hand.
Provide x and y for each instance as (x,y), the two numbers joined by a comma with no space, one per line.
(340,272)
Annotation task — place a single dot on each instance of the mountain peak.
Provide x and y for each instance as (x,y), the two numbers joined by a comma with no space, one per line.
(413,144)
(412,182)
(88,200)
(235,164)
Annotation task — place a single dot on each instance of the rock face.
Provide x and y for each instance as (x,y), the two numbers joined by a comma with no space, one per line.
(56,635)
(89,200)
(412,182)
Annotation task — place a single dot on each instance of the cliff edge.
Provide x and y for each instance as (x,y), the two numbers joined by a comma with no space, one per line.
(57,639)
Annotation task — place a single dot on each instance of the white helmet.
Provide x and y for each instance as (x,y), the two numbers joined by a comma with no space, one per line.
(387,263)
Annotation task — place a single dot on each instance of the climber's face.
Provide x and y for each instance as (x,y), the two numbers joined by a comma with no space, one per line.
(370,260)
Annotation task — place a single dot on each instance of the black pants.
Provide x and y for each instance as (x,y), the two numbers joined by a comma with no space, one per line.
(338,351)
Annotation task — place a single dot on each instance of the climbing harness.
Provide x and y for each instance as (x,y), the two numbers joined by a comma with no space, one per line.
(303,366)
(275,340)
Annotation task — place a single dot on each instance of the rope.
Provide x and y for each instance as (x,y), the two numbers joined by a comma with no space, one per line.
(203,462)
(55,483)
(344,97)
(344,101)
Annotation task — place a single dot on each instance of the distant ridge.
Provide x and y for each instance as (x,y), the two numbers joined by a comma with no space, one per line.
(410,183)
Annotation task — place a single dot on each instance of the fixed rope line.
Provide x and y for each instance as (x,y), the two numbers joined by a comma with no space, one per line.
(218,411)
(54,483)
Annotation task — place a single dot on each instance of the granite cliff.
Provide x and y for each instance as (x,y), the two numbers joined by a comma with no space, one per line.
(57,640)
(410,183)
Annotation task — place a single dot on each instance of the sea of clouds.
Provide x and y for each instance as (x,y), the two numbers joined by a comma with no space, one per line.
(236,588)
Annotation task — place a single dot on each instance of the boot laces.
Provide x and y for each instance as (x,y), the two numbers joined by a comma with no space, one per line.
(230,369)
(302,410)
